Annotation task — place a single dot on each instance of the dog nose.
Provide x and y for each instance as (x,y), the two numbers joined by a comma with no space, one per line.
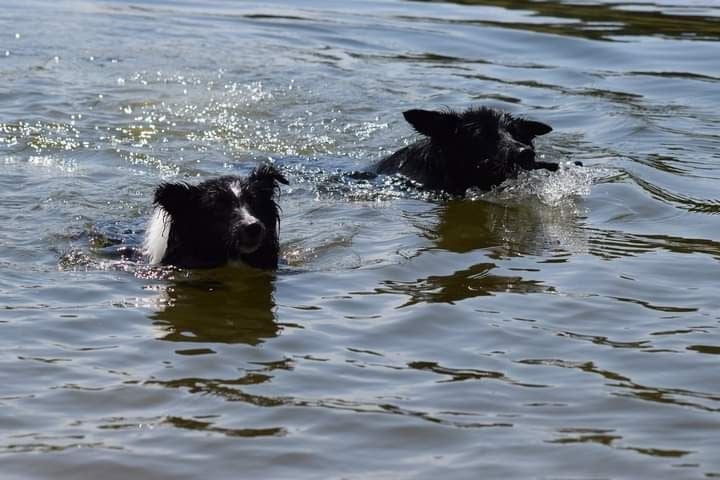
(526,155)
(254,230)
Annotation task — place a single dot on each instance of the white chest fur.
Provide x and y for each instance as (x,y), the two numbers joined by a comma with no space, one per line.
(156,236)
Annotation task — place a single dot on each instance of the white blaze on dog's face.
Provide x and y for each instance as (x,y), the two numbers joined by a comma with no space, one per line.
(250,230)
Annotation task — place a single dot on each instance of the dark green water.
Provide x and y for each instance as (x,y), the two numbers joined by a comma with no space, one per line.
(563,327)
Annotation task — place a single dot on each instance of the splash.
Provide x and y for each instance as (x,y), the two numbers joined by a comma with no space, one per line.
(79,260)
(551,188)
(355,186)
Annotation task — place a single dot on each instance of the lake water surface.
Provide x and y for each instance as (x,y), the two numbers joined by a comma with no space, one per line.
(564,326)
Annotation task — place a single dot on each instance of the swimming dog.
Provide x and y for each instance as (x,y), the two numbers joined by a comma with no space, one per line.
(480,147)
(220,220)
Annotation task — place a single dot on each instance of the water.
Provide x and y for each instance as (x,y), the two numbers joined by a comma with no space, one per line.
(565,326)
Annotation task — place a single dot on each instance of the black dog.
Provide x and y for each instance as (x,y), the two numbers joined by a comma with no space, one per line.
(480,147)
(220,220)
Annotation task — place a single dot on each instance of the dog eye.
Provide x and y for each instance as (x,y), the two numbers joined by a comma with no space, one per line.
(485,133)
(255,191)
(519,133)
(225,199)
(246,196)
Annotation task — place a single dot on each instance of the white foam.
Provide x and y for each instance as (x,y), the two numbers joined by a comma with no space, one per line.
(551,188)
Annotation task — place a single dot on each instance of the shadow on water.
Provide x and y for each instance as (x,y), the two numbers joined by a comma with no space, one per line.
(476,281)
(501,231)
(600,21)
(229,305)
(613,244)
(506,230)
(193,424)
(624,386)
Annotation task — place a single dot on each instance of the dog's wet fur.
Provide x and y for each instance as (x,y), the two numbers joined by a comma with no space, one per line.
(220,220)
(480,147)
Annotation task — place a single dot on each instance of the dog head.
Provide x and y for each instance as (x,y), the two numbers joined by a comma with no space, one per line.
(480,146)
(219,220)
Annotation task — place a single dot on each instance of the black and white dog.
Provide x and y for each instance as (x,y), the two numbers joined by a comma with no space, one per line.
(480,147)
(220,220)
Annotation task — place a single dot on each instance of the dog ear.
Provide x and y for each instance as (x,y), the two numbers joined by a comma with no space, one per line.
(267,176)
(534,129)
(175,197)
(268,173)
(431,123)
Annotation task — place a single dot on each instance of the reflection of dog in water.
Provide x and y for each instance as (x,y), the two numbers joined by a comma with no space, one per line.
(220,220)
(480,147)
(509,229)
(488,235)
(228,305)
